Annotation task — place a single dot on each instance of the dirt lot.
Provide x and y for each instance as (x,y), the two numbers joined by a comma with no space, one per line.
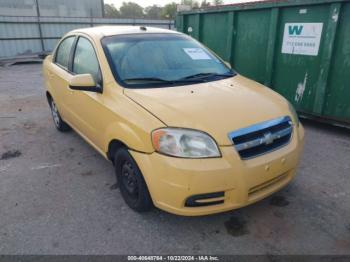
(57,195)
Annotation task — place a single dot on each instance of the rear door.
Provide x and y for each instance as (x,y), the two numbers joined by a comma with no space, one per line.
(59,76)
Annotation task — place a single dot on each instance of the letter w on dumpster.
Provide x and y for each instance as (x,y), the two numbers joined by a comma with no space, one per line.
(295,30)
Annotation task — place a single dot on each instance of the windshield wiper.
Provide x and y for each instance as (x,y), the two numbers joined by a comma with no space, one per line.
(148,79)
(201,77)
(206,75)
(160,80)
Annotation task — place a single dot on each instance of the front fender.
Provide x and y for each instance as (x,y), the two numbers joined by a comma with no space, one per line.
(133,137)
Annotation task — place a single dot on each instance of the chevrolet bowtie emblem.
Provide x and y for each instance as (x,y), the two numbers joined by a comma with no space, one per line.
(267,139)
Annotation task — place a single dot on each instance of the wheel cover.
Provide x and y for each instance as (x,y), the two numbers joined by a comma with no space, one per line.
(129,180)
(55,116)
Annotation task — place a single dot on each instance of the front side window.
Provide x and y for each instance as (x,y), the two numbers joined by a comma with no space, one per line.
(85,60)
(141,60)
(63,51)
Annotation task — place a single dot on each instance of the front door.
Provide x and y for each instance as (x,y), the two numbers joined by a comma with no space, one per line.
(87,106)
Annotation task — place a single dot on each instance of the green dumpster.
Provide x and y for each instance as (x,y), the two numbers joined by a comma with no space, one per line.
(301,49)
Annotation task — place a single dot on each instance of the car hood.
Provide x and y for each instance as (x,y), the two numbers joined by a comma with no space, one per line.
(216,108)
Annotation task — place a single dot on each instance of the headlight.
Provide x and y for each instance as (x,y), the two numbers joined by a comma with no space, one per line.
(185,143)
(294,113)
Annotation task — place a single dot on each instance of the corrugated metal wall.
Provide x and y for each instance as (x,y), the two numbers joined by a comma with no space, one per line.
(66,8)
(32,34)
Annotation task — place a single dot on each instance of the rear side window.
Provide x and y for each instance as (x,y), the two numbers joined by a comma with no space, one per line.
(85,60)
(63,51)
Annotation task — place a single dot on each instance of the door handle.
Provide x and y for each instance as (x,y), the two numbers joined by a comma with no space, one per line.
(71,91)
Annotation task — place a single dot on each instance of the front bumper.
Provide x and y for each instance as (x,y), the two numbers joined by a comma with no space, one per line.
(172,181)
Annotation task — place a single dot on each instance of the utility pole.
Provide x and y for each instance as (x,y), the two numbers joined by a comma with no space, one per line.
(39,25)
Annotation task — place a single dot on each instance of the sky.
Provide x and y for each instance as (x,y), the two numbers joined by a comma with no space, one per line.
(145,3)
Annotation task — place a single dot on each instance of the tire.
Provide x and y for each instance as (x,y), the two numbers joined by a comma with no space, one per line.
(56,117)
(131,182)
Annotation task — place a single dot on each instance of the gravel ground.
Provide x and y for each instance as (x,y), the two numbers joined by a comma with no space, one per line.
(57,194)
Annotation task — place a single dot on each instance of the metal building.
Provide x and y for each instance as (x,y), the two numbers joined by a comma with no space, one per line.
(31,27)
(62,8)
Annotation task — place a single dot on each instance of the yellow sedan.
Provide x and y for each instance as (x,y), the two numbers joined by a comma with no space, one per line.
(185,132)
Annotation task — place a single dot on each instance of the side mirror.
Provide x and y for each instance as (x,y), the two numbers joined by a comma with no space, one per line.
(84,82)
(228,64)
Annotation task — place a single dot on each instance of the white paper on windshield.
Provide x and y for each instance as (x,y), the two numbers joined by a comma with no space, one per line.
(197,54)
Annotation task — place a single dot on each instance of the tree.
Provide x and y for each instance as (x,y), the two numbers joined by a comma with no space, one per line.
(153,12)
(218,2)
(192,3)
(169,11)
(131,10)
(205,4)
(111,11)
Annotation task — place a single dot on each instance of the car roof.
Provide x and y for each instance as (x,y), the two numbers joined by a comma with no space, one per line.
(101,31)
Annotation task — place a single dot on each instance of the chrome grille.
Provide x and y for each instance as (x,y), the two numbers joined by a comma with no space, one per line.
(262,138)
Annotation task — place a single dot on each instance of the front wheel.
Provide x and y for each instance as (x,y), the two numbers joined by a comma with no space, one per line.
(59,123)
(131,182)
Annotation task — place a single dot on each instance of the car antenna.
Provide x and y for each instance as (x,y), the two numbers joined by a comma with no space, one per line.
(143,28)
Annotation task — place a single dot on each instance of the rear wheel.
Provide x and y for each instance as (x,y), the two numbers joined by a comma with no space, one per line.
(59,123)
(131,182)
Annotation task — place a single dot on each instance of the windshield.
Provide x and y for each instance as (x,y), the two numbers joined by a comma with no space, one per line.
(143,60)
